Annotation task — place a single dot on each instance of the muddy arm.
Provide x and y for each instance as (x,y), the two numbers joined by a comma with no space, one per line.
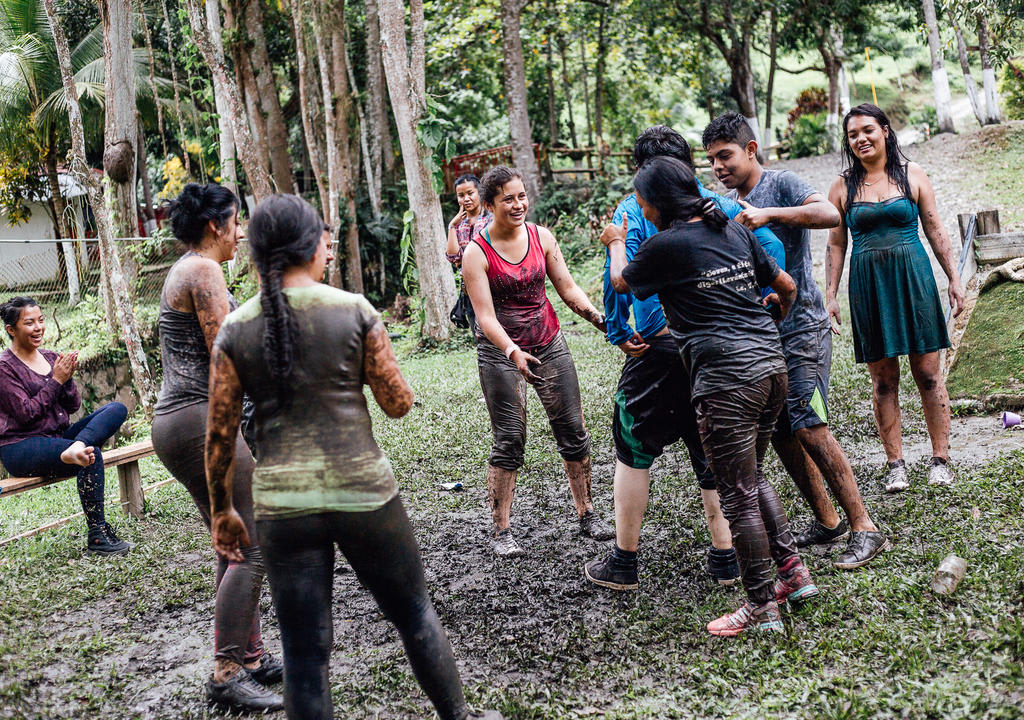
(225,414)
(209,295)
(835,253)
(935,231)
(380,368)
(567,289)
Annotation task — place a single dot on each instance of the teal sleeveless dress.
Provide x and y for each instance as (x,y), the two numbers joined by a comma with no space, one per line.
(894,302)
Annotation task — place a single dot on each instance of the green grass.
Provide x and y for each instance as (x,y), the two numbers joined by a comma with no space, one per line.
(996,155)
(88,638)
(990,360)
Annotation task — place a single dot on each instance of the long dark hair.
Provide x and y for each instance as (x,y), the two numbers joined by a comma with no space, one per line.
(284,232)
(196,206)
(671,187)
(10,311)
(895,160)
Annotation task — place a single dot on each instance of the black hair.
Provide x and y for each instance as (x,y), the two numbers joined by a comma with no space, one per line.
(10,311)
(468,177)
(284,231)
(494,180)
(196,206)
(730,127)
(671,187)
(661,141)
(895,160)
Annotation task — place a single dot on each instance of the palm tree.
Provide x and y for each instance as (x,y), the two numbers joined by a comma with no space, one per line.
(31,91)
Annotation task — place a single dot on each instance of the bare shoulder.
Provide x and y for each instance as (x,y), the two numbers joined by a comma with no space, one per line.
(189,275)
(473,258)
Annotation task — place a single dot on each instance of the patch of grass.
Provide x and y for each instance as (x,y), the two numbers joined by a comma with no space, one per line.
(990,360)
(996,155)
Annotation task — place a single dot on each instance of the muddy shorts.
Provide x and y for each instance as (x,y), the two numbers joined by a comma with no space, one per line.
(809,362)
(504,389)
(653,410)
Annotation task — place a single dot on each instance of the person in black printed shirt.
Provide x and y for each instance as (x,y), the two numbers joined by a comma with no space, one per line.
(784,202)
(708,272)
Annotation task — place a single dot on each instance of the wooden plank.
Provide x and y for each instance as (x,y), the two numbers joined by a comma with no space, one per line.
(988,222)
(12,486)
(128,453)
(998,248)
(130,481)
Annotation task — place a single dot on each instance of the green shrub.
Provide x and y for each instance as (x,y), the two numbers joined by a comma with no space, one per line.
(925,118)
(808,136)
(1012,89)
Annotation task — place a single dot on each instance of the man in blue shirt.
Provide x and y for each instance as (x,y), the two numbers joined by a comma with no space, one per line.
(652,401)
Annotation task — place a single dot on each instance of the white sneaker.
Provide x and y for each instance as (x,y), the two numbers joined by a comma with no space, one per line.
(940,473)
(896,479)
(506,546)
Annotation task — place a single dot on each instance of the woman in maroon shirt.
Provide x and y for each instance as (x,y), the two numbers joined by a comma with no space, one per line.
(519,341)
(37,396)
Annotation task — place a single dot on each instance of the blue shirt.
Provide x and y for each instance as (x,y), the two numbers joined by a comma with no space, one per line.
(647,314)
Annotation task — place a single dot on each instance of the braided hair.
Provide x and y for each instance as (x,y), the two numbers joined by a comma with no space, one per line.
(669,185)
(895,160)
(196,206)
(284,231)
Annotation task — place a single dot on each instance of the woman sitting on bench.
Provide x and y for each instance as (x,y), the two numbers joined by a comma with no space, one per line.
(37,396)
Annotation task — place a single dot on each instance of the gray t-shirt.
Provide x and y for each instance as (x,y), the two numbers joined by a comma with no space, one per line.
(782,188)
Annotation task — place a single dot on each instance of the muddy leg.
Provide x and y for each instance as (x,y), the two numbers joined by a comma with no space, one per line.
(806,477)
(579,484)
(828,455)
(934,398)
(885,396)
(718,526)
(501,486)
(632,491)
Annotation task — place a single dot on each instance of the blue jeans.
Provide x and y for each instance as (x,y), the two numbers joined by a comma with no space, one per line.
(41,456)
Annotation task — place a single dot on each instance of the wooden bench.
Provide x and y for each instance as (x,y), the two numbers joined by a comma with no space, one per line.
(125,459)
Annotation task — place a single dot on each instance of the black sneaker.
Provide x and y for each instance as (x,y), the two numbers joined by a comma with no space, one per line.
(863,546)
(594,527)
(818,534)
(608,573)
(103,541)
(270,671)
(241,692)
(723,566)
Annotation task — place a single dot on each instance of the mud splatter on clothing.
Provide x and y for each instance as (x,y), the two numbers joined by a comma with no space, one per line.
(317,451)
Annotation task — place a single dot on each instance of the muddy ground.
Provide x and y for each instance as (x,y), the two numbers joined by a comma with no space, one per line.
(132,638)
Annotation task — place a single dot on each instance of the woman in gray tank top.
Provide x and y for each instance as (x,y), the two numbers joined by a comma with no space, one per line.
(194,302)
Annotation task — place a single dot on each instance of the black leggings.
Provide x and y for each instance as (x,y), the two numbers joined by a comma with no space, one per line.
(383,552)
(736,427)
(41,456)
(179,438)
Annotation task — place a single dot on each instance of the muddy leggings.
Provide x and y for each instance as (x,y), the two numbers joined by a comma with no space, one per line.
(504,391)
(382,550)
(41,456)
(736,427)
(179,438)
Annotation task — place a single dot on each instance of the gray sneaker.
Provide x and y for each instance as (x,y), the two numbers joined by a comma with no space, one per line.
(940,473)
(594,527)
(896,477)
(506,546)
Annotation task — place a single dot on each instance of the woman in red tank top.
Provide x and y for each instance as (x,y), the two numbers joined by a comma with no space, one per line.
(519,341)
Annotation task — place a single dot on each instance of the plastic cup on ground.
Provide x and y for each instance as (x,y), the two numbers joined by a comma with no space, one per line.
(1010,419)
(948,575)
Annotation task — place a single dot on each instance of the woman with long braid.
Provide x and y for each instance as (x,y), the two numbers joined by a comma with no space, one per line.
(193,304)
(303,351)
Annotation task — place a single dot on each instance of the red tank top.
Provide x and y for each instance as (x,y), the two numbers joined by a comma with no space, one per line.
(517,291)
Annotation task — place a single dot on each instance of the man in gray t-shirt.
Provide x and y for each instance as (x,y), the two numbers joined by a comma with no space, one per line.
(790,208)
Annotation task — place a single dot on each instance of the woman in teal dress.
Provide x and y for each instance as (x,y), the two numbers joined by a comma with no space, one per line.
(894,302)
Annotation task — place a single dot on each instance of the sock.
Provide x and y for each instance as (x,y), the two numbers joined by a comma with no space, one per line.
(724,556)
(624,559)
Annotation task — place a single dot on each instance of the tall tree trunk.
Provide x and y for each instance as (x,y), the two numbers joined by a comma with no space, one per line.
(277,131)
(599,71)
(174,82)
(53,179)
(988,73)
(307,97)
(144,22)
(772,67)
(940,80)
(437,284)
(120,131)
(742,88)
(552,112)
(349,170)
(586,92)
(380,125)
(213,55)
(515,98)
(838,42)
(333,159)
(965,65)
(80,167)
(226,143)
(143,175)
(245,80)
(370,164)
(567,88)
(831,63)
